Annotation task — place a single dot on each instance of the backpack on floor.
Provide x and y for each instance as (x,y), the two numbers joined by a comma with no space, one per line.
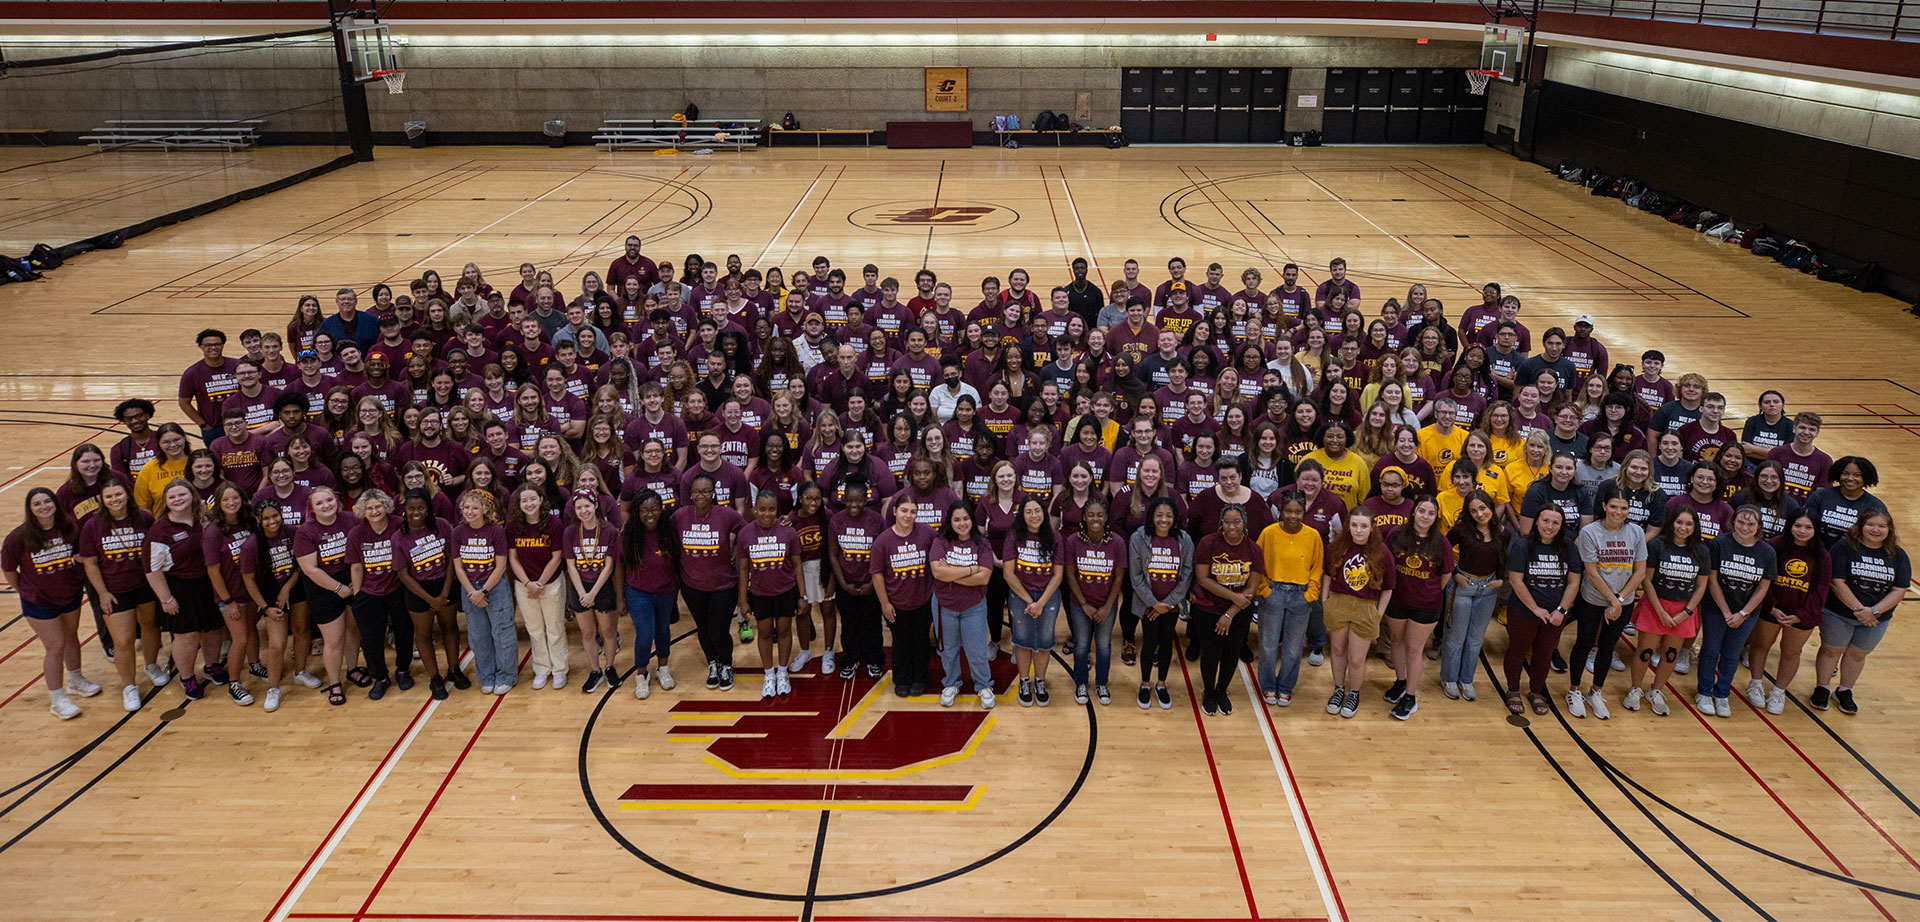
(1313,137)
(1720,231)
(15,269)
(1746,236)
(44,257)
(1707,218)
(1798,256)
(1768,246)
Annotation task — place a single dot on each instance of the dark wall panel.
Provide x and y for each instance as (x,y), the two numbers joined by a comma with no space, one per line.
(1851,201)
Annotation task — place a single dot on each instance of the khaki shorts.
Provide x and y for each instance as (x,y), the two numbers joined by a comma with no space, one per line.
(1361,616)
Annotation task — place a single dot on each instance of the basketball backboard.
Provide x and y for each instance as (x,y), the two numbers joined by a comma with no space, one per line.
(1501,47)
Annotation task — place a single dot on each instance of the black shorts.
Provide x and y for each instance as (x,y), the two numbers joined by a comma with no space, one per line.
(199,610)
(417,605)
(1414,615)
(133,598)
(769,607)
(323,607)
(607,599)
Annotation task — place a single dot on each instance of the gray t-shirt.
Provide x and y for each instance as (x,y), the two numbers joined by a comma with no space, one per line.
(1615,553)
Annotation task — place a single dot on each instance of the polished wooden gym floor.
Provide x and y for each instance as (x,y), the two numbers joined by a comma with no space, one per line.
(842,803)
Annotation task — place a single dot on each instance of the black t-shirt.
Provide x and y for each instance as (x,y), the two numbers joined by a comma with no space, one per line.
(1740,570)
(1646,506)
(1562,368)
(1672,480)
(1543,568)
(1869,574)
(1669,418)
(1836,513)
(1760,433)
(1674,569)
(1541,494)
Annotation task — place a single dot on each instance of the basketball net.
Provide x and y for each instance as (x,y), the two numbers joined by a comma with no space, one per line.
(1477,81)
(396,81)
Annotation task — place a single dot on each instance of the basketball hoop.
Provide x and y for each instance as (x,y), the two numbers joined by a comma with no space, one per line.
(396,80)
(1477,81)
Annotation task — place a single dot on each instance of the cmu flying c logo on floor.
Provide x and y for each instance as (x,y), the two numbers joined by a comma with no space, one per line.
(920,218)
(968,215)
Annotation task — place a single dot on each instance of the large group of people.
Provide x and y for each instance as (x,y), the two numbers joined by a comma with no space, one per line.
(808,466)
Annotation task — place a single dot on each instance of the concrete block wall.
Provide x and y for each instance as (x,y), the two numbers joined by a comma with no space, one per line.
(241,81)
(1877,119)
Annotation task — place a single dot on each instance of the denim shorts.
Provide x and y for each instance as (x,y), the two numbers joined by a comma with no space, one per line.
(49,613)
(1029,633)
(1841,632)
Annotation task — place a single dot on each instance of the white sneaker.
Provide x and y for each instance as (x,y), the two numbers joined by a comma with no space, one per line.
(780,680)
(1703,703)
(306,679)
(130,697)
(1590,658)
(502,689)
(800,658)
(949,695)
(986,699)
(1776,700)
(1722,707)
(1316,657)
(767,688)
(559,680)
(1596,705)
(157,674)
(1450,689)
(826,663)
(1632,701)
(78,684)
(666,678)
(486,689)
(63,707)
(642,686)
(539,682)
(272,702)
(1684,664)
(1576,703)
(1617,665)
(1658,703)
(1757,693)
(1467,692)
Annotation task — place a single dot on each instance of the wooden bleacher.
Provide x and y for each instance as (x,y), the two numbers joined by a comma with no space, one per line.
(175,134)
(617,133)
(39,135)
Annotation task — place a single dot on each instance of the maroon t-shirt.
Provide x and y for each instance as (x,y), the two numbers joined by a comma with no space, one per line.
(931,506)
(183,541)
(771,555)
(1094,566)
(1802,476)
(1032,563)
(975,551)
(207,386)
(424,552)
(707,547)
(477,548)
(535,545)
(1165,567)
(375,552)
(591,550)
(852,539)
(441,461)
(1388,517)
(120,549)
(1351,576)
(50,577)
(1238,567)
(243,464)
(1420,581)
(1039,478)
(327,542)
(655,572)
(1714,517)
(729,483)
(666,483)
(1696,442)
(227,550)
(902,564)
(812,530)
(671,432)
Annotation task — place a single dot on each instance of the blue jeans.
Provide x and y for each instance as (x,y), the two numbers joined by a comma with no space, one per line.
(1033,634)
(490,634)
(652,614)
(1473,606)
(1720,648)
(963,630)
(1089,637)
(1285,615)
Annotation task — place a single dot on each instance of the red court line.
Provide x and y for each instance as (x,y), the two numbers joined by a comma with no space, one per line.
(1762,714)
(37,677)
(35,467)
(1197,187)
(795,245)
(1688,704)
(1266,714)
(802,200)
(1883,418)
(1219,791)
(663,917)
(348,810)
(1059,234)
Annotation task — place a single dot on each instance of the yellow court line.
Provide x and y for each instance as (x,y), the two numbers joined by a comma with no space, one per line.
(846,723)
(973,800)
(973,745)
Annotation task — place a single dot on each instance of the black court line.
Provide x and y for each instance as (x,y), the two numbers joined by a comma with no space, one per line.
(813,876)
(938,183)
(1842,743)
(1526,726)
(59,768)
(166,718)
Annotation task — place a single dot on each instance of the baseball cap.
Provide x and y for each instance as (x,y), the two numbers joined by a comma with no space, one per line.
(813,315)
(390,319)
(1583,318)
(306,354)
(1178,286)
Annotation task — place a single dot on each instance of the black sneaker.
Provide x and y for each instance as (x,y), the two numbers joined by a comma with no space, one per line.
(1558,663)
(1026,692)
(1844,700)
(726,678)
(1146,697)
(713,675)
(1396,691)
(1820,697)
(848,670)
(256,669)
(1404,708)
(218,675)
(593,683)
(1207,706)
(917,689)
(1127,655)
(1224,702)
(902,690)
(1165,697)
(437,687)
(1040,695)
(193,689)
(1193,651)
(403,680)
(460,680)
(874,671)
(613,678)
(1246,653)
(379,690)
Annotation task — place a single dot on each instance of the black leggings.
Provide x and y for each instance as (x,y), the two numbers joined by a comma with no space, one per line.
(712,617)
(996,605)
(860,640)
(376,614)
(1129,622)
(912,644)
(1157,642)
(1219,653)
(1594,626)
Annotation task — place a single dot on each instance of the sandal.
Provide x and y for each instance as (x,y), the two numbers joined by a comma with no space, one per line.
(1539,704)
(360,677)
(336,696)
(1516,704)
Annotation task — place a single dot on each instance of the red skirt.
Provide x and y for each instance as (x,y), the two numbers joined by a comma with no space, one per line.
(1647,621)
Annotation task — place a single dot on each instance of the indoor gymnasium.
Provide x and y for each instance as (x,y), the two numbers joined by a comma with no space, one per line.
(1155,461)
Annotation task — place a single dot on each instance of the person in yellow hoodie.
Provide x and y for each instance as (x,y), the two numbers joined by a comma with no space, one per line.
(1346,472)
(150,486)
(1292,553)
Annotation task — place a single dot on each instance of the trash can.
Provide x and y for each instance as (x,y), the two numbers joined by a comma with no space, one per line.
(416,133)
(556,132)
